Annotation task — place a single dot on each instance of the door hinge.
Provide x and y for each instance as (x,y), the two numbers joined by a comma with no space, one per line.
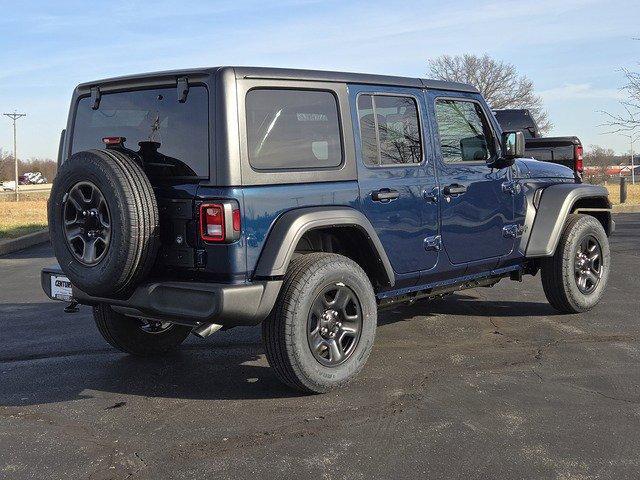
(512,231)
(432,195)
(95,98)
(433,243)
(183,89)
(511,187)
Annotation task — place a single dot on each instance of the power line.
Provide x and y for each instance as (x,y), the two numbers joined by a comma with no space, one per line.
(15,116)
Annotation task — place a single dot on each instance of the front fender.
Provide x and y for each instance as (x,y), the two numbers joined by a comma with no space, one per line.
(556,203)
(292,225)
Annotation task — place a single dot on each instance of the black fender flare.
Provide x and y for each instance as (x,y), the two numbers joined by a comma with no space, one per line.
(292,225)
(555,204)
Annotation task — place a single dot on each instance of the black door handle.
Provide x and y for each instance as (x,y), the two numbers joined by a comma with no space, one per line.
(384,195)
(454,189)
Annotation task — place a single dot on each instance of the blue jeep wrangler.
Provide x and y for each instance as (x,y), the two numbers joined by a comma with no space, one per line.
(195,200)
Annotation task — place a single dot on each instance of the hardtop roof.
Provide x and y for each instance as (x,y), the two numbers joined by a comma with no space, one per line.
(291,74)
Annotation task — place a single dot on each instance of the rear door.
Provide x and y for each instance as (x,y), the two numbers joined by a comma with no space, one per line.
(476,205)
(395,179)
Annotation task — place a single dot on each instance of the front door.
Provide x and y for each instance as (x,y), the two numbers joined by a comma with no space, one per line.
(476,205)
(396,181)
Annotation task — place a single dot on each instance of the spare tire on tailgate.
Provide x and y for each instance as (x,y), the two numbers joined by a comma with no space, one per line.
(103,222)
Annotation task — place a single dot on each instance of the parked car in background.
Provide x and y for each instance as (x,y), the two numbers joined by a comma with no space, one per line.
(32,178)
(565,151)
(8,186)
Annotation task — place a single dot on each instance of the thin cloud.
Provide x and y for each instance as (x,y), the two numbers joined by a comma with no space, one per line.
(580,91)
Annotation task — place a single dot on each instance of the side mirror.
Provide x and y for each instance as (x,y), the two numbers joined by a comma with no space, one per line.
(513,145)
(512,148)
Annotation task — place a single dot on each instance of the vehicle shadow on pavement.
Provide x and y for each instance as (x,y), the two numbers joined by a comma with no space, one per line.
(228,365)
(193,373)
(77,363)
(462,304)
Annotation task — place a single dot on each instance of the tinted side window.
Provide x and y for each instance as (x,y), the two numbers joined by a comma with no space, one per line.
(389,130)
(292,129)
(172,137)
(465,135)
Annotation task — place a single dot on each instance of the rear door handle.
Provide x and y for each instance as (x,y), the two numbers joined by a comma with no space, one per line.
(384,195)
(454,189)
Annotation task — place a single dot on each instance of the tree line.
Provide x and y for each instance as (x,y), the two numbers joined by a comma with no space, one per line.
(46,166)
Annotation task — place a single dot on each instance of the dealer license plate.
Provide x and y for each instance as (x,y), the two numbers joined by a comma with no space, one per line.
(61,288)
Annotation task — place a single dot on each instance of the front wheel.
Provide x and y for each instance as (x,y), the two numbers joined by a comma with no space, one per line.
(575,278)
(138,336)
(321,331)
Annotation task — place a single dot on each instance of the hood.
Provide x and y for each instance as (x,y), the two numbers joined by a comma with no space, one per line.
(537,169)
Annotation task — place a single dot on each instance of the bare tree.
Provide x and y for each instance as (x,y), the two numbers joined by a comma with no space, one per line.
(499,83)
(629,121)
(598,159)
(4,158)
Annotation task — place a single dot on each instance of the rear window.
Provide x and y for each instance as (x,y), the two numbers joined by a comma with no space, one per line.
(292,129)
(171,137)
(389,130)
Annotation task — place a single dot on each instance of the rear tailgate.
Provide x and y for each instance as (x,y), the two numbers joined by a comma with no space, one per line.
(168,133)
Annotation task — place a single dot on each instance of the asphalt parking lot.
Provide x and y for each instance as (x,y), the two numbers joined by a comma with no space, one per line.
(488,383)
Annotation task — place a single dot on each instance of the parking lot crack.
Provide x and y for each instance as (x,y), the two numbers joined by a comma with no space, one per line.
(604,395)
(496,330)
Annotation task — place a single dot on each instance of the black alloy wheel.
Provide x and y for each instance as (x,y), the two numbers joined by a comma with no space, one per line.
(87,223)
(334,325)
(588,265)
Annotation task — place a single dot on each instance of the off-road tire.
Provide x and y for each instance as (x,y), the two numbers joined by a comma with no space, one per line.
(284,332)
(125,334)
(134,240)
(557,272)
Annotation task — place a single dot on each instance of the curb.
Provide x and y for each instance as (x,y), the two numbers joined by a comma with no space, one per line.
(14,244)
(622,208)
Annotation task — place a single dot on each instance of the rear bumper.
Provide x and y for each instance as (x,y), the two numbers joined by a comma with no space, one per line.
(190,303)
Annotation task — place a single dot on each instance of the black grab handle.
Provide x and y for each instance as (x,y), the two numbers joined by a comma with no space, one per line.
(455,189)
(384,195)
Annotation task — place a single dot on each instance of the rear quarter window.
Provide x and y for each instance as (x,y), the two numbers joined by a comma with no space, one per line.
(292,129)
(171,137)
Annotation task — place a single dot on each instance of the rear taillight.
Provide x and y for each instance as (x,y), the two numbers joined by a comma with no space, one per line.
(577,155)
(114,141)
(220,222)
(212,222)
(235,214)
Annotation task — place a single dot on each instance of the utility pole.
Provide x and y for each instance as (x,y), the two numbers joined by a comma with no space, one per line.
(633,166)
(632,138)
(14,116)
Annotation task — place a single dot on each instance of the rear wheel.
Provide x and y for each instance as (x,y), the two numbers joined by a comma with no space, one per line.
(138,336)
(321,331)
(575,278)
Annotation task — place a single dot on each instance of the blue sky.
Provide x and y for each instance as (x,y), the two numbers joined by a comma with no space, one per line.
(573,50)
